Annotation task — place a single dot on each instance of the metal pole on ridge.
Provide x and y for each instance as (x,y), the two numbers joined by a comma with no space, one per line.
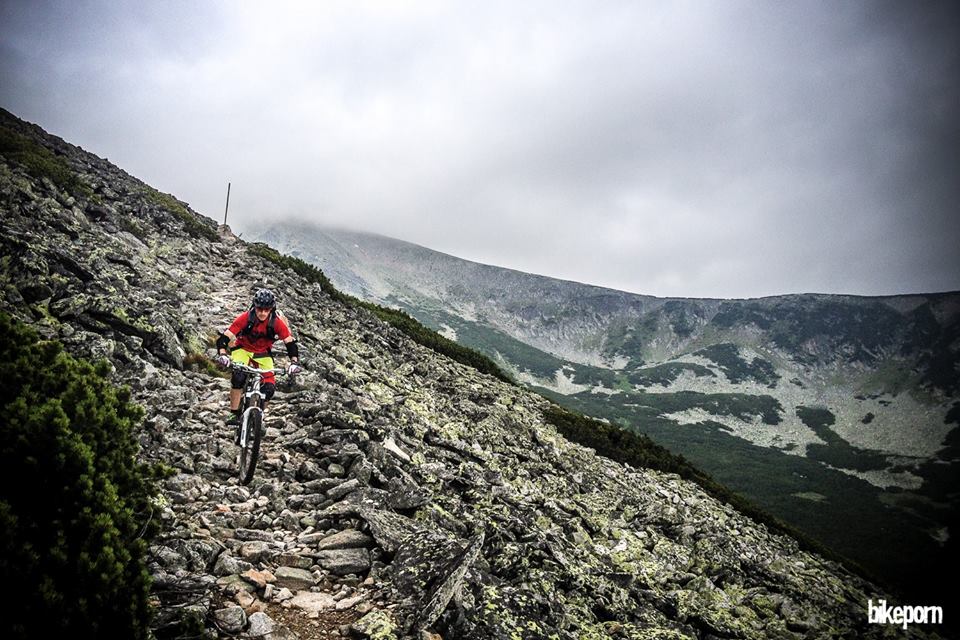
(228,205)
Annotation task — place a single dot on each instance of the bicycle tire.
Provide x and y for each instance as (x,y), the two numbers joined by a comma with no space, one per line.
(251,448)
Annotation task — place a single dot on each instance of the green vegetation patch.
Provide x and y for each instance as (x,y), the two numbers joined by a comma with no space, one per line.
(667,373)
(433,340)
(860,331)
(737,369)
(307,271)
(75,505)
(738,405)
(734,314)
(631,339)
(837,452)
(819,419)
(617,443)
(40,162)
(191,223)
(941,473)
(399,319)
(941,359)
(683,316)
(491,341)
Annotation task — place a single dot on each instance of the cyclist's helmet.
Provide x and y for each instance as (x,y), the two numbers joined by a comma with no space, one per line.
(264,299)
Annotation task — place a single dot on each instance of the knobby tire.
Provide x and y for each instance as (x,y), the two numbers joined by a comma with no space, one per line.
(250,450)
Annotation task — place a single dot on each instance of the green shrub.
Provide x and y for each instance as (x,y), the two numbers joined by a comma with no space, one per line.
(665,374)
(74,503)
(617,443)
(433,340)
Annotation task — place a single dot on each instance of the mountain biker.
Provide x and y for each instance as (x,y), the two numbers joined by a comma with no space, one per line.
(249,341)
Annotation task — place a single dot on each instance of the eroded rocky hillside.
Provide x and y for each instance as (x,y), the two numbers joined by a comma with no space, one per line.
(399,493)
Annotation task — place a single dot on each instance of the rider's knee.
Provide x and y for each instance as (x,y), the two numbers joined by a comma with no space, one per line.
(268,389)
(238,379)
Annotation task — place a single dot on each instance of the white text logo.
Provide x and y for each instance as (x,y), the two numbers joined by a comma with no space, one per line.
(881,613)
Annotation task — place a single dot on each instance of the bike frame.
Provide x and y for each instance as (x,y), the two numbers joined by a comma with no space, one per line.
(252,403)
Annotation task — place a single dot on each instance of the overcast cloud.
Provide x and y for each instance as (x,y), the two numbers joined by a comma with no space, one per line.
(701,148)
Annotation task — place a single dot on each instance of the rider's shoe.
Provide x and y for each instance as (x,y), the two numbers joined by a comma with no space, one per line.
(233,419)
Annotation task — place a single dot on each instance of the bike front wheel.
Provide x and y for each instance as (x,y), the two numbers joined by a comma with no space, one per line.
(250,444)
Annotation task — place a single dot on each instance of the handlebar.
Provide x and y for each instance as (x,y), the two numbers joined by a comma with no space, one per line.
(260,372)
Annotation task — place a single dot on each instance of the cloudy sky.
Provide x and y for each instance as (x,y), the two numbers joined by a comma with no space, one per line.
(696,148)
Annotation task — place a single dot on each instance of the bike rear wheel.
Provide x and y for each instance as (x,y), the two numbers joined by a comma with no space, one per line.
(250,446)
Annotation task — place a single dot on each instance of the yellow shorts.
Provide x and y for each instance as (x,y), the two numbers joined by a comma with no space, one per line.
(242,356)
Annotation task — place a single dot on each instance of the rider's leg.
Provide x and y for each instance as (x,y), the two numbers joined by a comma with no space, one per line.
(237,381)
(268,388)
(269,384)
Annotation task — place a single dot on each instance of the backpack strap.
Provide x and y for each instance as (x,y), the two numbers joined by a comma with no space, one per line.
(252,320)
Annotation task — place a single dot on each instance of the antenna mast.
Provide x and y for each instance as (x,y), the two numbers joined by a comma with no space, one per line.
(227,207)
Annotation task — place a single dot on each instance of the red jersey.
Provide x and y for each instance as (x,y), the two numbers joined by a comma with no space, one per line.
(258,339)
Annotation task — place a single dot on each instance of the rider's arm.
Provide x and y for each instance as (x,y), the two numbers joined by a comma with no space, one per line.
(293,350)
(223,342)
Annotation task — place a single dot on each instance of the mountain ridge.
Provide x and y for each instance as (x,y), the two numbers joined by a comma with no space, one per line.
(400,493)
(583,292)
(344,231)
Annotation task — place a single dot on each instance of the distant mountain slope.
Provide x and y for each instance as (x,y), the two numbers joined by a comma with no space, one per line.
(816,406)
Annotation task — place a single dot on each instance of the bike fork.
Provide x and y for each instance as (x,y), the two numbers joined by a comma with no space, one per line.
(243,425)
(252,404)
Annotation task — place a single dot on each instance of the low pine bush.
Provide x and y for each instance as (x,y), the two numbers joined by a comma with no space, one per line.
(75,504)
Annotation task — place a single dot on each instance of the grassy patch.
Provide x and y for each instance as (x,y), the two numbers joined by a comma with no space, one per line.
(616,443)
(631,340)
(490,341)
(201,363)
(40,162)
(683,316)
(837,452)
(738,405)
(667,373)
(191,223)
(433,340)
(727,356)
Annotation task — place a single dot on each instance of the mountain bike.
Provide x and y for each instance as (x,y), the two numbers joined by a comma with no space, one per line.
(251,419)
